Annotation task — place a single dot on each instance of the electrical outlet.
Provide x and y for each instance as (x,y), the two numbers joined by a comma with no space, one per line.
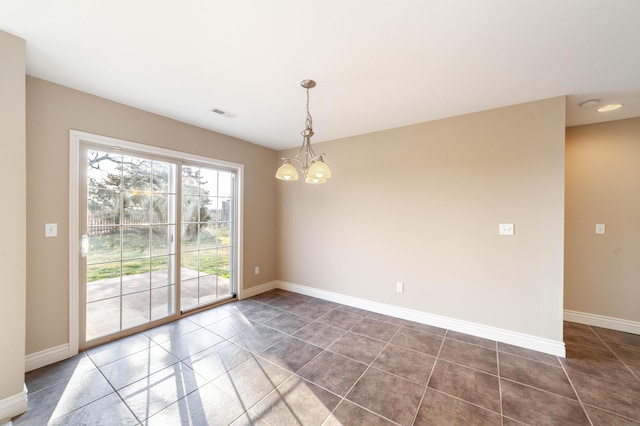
(400,287)
(257,270)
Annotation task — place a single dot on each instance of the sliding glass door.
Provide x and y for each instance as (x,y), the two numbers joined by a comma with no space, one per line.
(141,217)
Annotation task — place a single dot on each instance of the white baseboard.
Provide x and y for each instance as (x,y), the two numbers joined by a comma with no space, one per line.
(46,357)
(535,343)
(602,321)
(13,406)
(62,352)
(254,291)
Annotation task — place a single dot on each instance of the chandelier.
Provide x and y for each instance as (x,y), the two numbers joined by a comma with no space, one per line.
(311,165)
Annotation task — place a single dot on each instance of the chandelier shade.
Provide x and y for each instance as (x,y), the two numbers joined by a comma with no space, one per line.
(312,165)
(287,172)
(319,170)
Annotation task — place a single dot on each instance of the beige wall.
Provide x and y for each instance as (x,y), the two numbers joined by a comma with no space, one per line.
(12,216)
(422,204)
(53,110)
(602,272)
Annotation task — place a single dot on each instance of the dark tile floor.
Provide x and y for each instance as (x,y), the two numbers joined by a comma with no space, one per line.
(282,359)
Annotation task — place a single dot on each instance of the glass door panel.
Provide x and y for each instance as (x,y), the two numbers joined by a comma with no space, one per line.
(206,264)
(131,219)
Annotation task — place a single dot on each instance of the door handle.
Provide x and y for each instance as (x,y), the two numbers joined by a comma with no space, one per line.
(84,245)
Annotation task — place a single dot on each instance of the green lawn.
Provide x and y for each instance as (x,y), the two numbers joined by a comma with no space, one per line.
(143,253)
(103,271)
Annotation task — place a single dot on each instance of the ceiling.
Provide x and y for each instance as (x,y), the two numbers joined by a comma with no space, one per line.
(378,64)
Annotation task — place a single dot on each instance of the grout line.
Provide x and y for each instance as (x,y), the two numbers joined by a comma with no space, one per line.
(541,390)
(612,413)
(614,352)
(332,411)
(363,373)
(246,409)
(426,387)
(577,395)
(342,398)
(457,398)
(499,384)
(370,364)
(515,421)
(470,368)
(359,406)
(280,396)
(115,390)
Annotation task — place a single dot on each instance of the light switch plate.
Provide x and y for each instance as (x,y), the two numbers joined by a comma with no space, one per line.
(600,228)
(51,230)
(505,229)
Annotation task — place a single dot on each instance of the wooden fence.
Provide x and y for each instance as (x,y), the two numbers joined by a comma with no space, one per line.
(101,226)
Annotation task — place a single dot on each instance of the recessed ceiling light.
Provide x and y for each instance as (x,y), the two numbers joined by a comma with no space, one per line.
(610,107)
(591,103)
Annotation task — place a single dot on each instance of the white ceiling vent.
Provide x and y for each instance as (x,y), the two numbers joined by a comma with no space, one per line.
(223,113)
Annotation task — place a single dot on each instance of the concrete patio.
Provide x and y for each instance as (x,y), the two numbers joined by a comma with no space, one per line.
(146,297)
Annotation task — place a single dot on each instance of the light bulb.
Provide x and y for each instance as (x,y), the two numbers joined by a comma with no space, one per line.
(610,107)
(314,181)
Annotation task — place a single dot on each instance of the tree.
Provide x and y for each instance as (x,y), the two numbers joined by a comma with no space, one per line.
(141,187)
(195,202)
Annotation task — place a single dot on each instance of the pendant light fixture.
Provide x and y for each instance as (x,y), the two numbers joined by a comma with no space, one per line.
(312,165)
